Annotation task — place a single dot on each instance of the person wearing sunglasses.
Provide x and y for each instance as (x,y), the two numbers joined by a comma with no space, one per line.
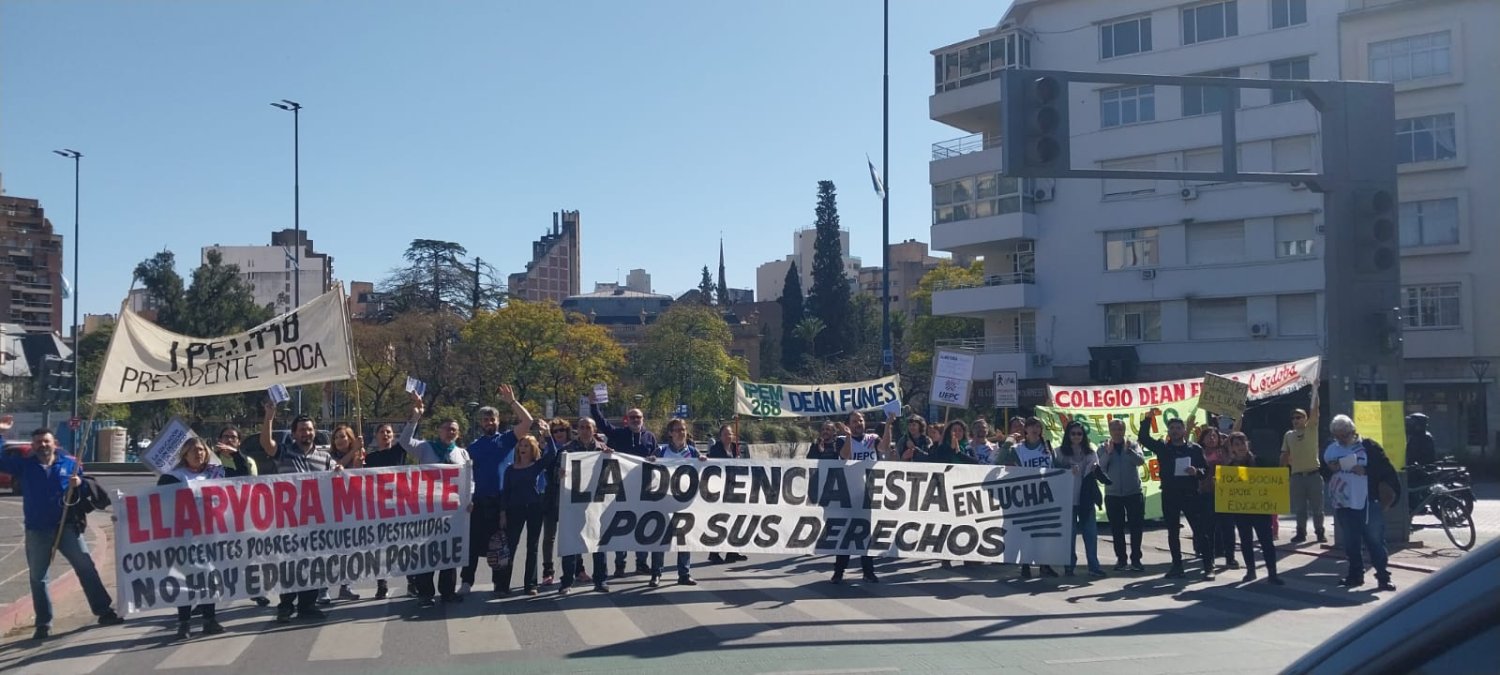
(631,438)
(1077,455)
(559,434)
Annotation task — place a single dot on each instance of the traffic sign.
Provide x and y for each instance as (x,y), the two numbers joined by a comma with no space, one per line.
(1007,389)
(74,423)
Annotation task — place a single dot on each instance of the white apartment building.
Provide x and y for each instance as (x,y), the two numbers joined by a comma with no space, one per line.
(1183,277)
(1439,54)
(270,269)
(771,276)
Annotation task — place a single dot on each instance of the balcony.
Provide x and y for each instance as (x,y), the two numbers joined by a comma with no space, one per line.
(1015,353)
(976,210)
(966,79)
(998,292)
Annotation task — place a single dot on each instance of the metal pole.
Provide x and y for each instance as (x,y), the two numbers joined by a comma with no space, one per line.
(77,163)
(888,360)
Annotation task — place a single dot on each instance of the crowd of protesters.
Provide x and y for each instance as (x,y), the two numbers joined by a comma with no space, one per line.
(518,473)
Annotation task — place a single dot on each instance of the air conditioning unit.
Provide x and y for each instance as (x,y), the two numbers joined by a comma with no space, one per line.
(1260,329)
(1188,193)
(1041,360)
(1148,275)
(1044,193)
(1298,185)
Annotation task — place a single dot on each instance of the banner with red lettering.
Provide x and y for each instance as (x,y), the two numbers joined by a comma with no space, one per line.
(1282,378)
(213,541)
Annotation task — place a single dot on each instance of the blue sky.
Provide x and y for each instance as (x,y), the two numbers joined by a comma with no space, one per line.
(666,122)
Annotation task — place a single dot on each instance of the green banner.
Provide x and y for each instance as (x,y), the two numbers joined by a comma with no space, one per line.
(1096,422)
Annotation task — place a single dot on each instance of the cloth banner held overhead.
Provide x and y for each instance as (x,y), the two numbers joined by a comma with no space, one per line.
(214,541)
(617,502)
(308,345)
(1282,378)
(814,400)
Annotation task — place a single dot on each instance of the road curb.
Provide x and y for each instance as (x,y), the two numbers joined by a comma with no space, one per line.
(63,587)
(1330,553)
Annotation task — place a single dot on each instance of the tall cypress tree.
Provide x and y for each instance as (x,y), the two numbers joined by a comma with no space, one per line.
(791,315)
(830,296)
(706,287)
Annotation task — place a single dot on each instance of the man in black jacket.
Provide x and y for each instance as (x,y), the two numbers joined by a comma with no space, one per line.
(632,439)
(1181,463)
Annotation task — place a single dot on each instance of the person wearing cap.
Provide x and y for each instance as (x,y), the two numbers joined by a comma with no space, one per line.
(1299,452)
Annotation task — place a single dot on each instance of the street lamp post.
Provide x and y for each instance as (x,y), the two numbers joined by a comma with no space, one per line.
(1480,367)
(296,109)
(76,156)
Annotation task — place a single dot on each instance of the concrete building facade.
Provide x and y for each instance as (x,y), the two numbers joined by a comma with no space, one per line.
(270,269)
(909,263)
(554,272)
(32,267)
(771,277)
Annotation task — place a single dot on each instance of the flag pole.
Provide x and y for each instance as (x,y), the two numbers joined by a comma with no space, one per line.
(887,358)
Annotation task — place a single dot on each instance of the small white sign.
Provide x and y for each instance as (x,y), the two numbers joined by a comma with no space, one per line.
(583,406)
(416,386)
(601,393)
(162,456)
(549,409)
(892,408)
(1007,389)
(278,394)
(1182,466)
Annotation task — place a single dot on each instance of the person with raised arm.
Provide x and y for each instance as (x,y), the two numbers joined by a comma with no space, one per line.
(1299,452)
(444,450)
(296,453)
(1182,464)
(388,453)
(631,438)
(492,452)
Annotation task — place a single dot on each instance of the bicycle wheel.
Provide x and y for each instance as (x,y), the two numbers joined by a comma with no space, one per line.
(1456,524)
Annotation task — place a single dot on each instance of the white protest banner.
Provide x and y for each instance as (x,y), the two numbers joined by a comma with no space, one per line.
(163,456)
(951,374)
(213,541)
(1282,378)
(814,400)
(1223,396)
(617,502)
(308,345)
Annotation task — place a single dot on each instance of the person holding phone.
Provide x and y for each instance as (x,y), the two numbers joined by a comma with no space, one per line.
(1182,465)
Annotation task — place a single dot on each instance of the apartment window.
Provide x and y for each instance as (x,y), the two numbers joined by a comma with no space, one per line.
(1125,37)
(1289,69)
(1114,187)
(1124,249)
(1127,105)
(1206,100)
(1019,330)
(1217,319)
(1429,222)
(979,196)
(1297,315)
(1294,235)
(1215,243)
(980,62)
(1433,306)
(1412,58)
(1210,22)
(1288,13)
(1133,322)
(1428,138)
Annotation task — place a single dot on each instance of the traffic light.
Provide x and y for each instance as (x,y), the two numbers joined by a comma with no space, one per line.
(1035,125)
(1374,233)
(57,379)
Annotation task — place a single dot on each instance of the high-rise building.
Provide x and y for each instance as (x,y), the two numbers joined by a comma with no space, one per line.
(1447,111)
(1175,278)
(31,271)
(909,263)
(638,280)
(771,276)
(554,273)
(270,269)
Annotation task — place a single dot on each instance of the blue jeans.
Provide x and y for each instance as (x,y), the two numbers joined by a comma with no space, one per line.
(684,564)
(1362,528)
(1086,523)
(76,551)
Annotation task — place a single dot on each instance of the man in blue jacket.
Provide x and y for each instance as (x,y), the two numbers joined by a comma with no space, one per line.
(45,477)
(632,439)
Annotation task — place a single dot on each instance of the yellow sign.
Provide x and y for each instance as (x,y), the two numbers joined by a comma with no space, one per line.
(1247,489)
(1385,423)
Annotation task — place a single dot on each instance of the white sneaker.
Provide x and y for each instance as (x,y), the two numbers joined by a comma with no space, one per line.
(465,589)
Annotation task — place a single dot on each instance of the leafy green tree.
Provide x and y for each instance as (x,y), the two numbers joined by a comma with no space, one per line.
(437,278)
(684,358)
(927,330)
(829,298)
(792,346)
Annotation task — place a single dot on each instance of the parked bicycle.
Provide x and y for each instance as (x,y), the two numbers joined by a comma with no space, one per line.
(1453,506)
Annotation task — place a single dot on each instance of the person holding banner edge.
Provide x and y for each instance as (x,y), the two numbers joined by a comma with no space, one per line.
(1032,451)
(193,465)
(727,446)
(860,446)
(444,450)
(1182,464)
(296,454)
(388,453)
(492,452)
(1216,452)
(632,439)
(588,440)
(47,478)
(678,446)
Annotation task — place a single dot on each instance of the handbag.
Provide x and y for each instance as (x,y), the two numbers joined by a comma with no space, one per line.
(498,554)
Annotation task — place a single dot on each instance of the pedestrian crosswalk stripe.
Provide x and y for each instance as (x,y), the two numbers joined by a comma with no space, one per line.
(721,618)
(826,610)
(221,650)
(474,628)
(123,638)
(344,640)
(600,623)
